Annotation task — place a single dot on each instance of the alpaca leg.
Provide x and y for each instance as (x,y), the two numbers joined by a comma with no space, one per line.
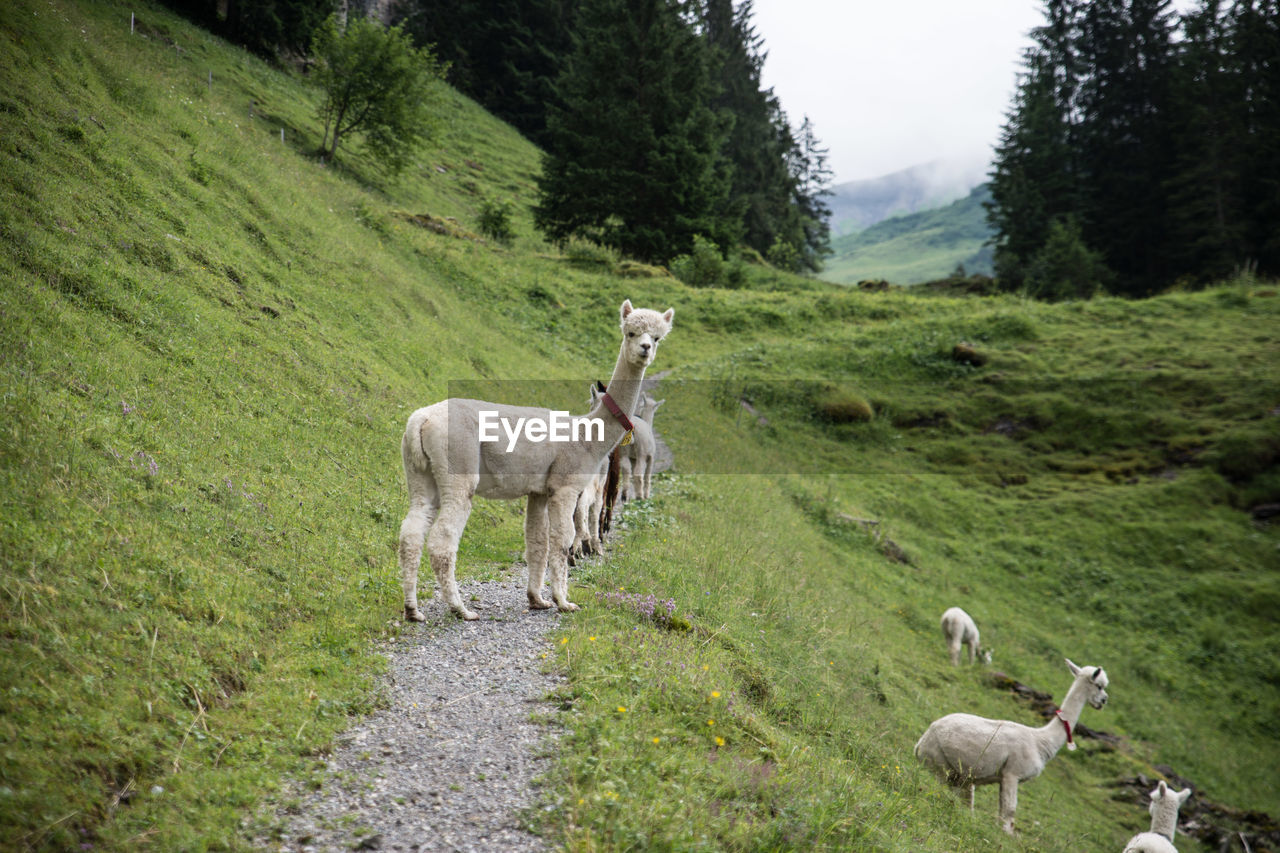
(442,545)
(637,481)
(560,535)
(648,474)
(535,549)
(1008,800)
(413,532)
(954,648)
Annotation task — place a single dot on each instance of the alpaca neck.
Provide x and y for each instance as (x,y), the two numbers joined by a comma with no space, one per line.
(1053,735)
(624,387)
(1165,820)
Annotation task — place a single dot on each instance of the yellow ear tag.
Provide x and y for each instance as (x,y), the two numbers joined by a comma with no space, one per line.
(626,439)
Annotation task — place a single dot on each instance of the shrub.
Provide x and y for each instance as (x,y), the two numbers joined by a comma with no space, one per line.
(839,406)
(1065,268)
(702,267)
(495,221)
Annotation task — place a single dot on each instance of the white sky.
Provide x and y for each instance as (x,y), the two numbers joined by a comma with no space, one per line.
(890,84)
(894,83)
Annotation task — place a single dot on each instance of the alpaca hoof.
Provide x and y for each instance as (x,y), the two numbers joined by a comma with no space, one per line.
(568,607)
(537,602)
(468,615)
(413,614)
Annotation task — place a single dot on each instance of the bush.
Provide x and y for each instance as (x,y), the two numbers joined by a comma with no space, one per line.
(839,406)
(1065,268)
(703,267)
(495,221)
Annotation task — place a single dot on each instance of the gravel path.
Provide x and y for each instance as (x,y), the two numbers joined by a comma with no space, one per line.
(449,764)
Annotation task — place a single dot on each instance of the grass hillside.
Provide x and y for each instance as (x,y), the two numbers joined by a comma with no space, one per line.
(209,343)
(918,247)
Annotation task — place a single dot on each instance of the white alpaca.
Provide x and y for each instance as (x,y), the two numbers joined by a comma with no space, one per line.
(446,464)
(586,514)
(642,450)
(967,750)
(1164,822)
(959,630)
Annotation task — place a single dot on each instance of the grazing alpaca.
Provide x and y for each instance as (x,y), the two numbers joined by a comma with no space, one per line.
(967,750)
(446,464)
(959,630)
(643,448)
(1164,822)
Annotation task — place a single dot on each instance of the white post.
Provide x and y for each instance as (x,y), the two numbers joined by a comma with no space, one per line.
(282,136)
(130,23)
(210,79)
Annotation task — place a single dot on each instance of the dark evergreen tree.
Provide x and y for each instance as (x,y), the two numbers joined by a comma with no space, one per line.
(811,178)
(633,146)
(1255,45)
(1035,177)
(504,53)
(760,188)
(267,27)
(1125,138)
(1206,223)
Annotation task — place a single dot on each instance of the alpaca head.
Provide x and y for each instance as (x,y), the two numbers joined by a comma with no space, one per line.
(1094,681)
(642,329)
(985,654)
(1165,804)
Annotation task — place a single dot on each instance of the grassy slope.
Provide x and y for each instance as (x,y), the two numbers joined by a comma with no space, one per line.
(210,344)
(920,247)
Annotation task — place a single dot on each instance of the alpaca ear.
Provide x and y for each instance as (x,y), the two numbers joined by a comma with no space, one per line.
(1098,675)
(668,315)
(1183,795)
(1075,670)
(1162,789)
(626,308)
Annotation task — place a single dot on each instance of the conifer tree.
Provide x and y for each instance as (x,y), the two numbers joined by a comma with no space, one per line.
(1206,226)
(633,146)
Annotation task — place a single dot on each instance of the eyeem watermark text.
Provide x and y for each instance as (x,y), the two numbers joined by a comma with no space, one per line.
(560,427)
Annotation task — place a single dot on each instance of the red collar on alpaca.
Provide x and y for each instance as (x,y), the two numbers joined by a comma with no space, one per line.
(614,408)
(1071,744)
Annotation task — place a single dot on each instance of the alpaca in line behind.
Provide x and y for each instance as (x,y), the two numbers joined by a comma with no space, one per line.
(644,448)
(966,750)
(1164,822)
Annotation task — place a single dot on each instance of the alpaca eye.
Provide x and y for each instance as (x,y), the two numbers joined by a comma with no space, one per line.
(631,334)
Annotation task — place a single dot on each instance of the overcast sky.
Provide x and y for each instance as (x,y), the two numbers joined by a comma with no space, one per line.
(894,83)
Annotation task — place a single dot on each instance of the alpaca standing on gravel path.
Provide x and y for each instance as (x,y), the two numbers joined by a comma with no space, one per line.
(448,461)
(966,750)
(959,630)
(1164,822)
(642,450)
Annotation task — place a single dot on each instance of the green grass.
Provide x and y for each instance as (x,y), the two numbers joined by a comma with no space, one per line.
(209,343)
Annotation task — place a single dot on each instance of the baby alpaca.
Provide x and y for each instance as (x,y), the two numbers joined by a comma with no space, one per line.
(959,630)
(966,750)
(1164,822)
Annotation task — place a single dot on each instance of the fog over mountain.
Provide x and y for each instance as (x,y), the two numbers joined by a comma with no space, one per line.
(859,204)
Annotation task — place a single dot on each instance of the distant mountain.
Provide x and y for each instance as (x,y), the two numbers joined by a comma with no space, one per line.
(915,248)
(858,204)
